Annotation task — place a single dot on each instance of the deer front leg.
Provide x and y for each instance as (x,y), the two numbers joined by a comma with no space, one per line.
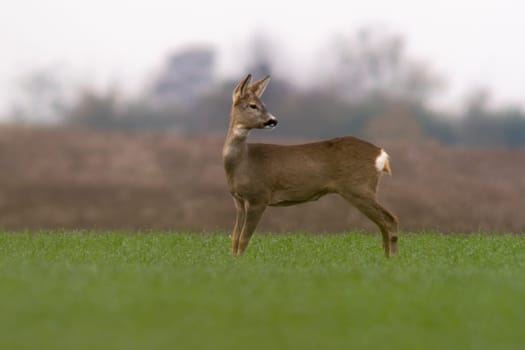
(239,222)
(253,213)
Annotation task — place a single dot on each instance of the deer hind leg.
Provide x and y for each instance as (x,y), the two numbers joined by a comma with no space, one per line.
(252,217)
(385,220)
(239,222)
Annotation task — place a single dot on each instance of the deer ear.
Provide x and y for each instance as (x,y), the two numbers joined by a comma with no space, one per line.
(260,85)
(240,90)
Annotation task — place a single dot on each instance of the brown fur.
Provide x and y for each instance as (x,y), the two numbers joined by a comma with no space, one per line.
(261,175)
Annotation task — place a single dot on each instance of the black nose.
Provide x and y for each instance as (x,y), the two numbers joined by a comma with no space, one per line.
(271,123)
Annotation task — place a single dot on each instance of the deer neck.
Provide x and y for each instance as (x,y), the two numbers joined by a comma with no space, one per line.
(235,147)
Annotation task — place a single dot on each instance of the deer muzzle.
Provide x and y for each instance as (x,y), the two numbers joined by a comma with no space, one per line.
(270,123)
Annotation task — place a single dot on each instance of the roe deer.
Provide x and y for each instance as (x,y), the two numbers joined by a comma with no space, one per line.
(261,175)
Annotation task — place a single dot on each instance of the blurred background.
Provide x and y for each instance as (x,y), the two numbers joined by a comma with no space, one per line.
(113,114)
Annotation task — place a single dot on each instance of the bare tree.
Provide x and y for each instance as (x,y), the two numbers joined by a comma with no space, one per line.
(40,97)
(372,61)
(185,77)
(94,110)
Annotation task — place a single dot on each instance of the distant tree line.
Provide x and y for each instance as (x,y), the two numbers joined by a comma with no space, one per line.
(371,89)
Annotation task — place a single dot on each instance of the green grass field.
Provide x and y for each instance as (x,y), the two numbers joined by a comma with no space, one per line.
(184,291)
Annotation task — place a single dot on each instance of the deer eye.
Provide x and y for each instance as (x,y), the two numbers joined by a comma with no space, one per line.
(253,106)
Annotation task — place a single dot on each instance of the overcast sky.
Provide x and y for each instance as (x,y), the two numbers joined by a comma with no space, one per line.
(471,42)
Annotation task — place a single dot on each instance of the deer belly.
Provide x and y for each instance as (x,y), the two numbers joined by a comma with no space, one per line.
(287,198)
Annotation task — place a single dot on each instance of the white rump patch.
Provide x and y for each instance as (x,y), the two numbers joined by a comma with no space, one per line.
(381,160)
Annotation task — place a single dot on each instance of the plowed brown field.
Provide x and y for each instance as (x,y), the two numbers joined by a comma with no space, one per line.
(60,178)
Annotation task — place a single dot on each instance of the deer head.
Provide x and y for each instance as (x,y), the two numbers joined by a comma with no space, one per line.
(248,111)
